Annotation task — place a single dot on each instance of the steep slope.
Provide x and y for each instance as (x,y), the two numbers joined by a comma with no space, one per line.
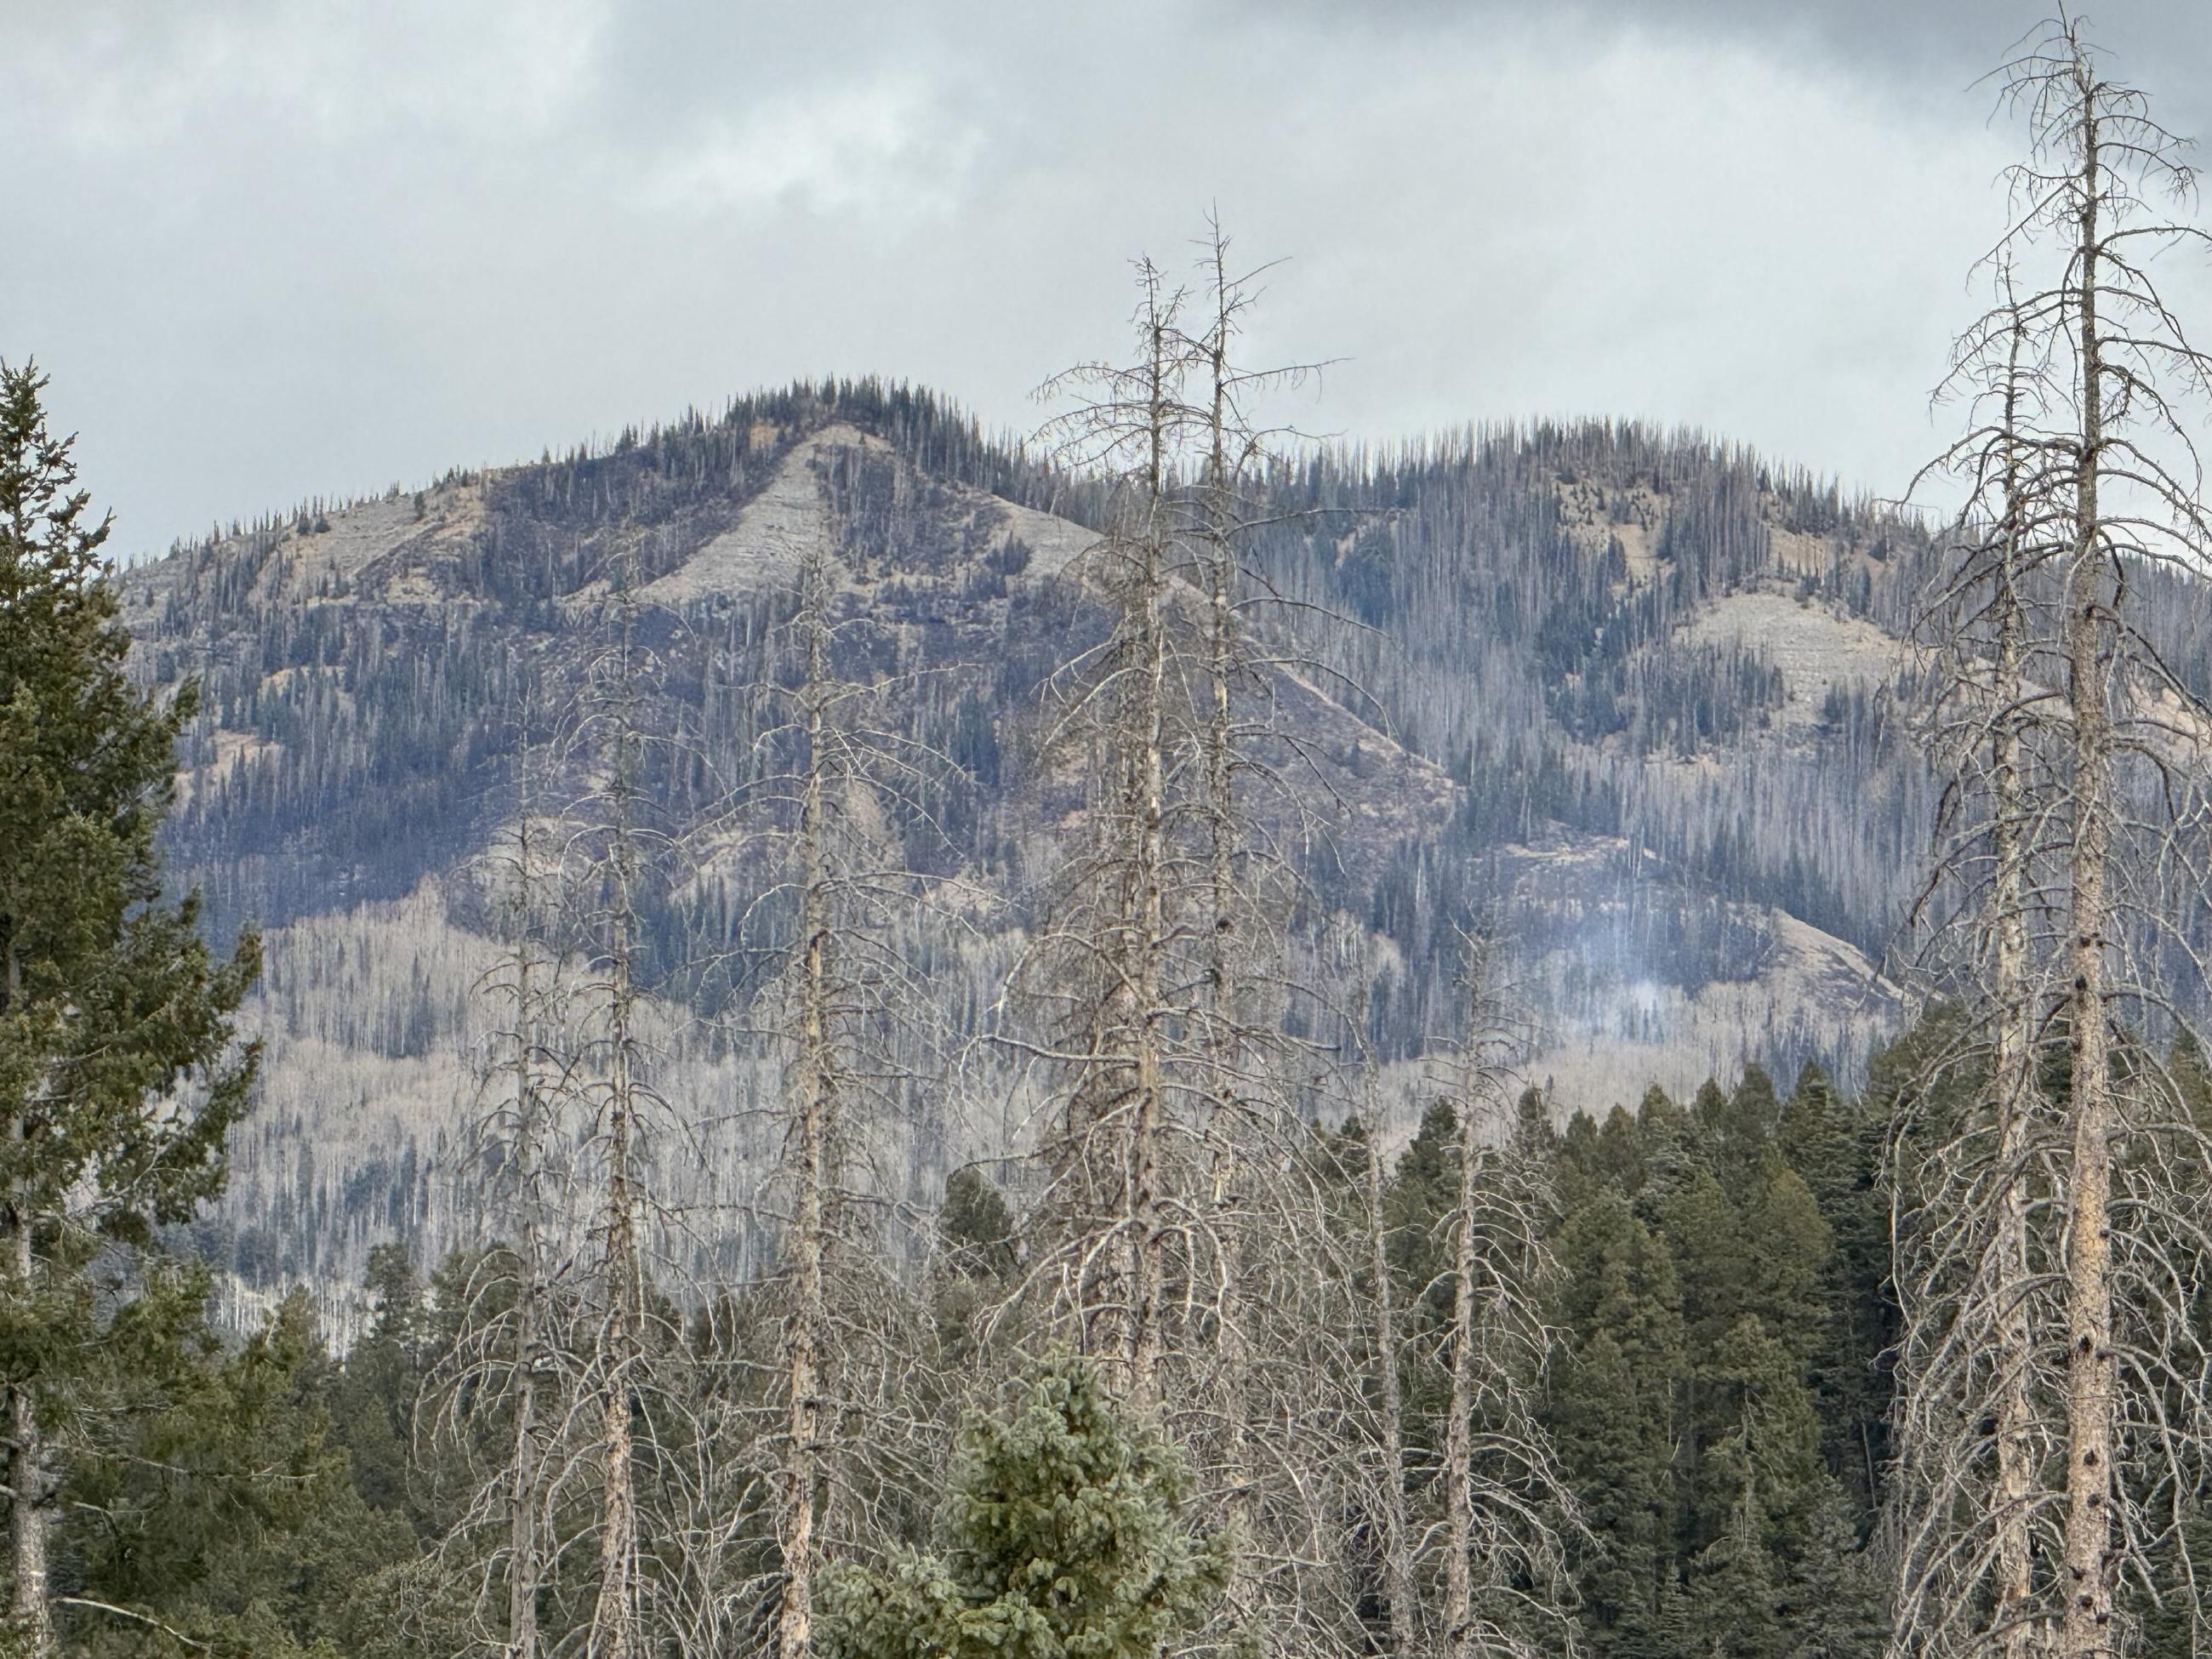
(1618,699)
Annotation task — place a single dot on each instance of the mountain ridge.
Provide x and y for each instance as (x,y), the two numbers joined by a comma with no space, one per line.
(1581,652)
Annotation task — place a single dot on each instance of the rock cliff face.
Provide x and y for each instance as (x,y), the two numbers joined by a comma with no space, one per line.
(1620,697)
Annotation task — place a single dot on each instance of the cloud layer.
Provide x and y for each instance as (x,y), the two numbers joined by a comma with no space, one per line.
(282,251)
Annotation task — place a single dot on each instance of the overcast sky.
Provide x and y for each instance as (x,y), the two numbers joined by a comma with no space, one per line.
(270,248)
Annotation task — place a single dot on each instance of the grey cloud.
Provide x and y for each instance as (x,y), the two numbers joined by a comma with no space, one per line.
(1948,44)
(298,251)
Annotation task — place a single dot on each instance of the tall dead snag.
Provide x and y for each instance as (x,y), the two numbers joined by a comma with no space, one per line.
(1400,1601)
(812,1103)
(2090,1559)
(1256,1217)
(614,1632)
(1099,969)
(1185,1234)
(817,831)
(1976,1285)
(619,1412)
(2014,1072)
(527,1150)
(1504,1499)
(503,1385)
(1227,1013)
(2053,1409)
(861,1037)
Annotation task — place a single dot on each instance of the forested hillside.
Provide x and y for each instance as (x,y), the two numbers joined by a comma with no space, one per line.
(1620,697)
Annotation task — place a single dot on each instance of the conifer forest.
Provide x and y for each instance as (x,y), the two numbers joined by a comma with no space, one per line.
(817,1031)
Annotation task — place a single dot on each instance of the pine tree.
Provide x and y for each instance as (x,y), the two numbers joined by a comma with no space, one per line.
(229,1517)
(1613,1412)
(119,1075)
(1835,1150)
(977,1226)
(1838,1607)
(1067,1536)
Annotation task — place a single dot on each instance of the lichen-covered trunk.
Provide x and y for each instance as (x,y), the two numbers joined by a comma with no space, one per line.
(2087,1630)
(2013,1083)
(810,1129)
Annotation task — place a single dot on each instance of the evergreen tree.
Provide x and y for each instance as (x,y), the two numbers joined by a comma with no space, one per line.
(1838,1607)
(1613,1413)
(231,1517)
(1837,1150)
(1068,1542)
(978,1227)
(1420,1197)
(1696,1318)
(375,1398)
(1733,1601)
(119,1075)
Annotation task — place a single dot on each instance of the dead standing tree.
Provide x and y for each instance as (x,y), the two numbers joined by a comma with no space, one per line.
(1976,1283)
(572,1374)
(1102,972)
(1507,1505)
(863,1036)
(1186,1232)
(2052,1417)
(1254,1235)
(636,1417)
(509,1376)
(1378,1445)
(1401,1606)
(619,1129)
(837,1396)
(812,1092)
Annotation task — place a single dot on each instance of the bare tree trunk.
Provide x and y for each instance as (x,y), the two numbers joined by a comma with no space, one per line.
(810,1129)
(1459,1471)
(1224,843)
(28,1478)
(525,1567)
(2013,1081)
(1147,1240)
(1146,733)
(1397,1534)
(1129,914)
(2028,1478)
(1505,1502)
(1459,1445)
(28,1475)
(613,1615)
(2087,1628)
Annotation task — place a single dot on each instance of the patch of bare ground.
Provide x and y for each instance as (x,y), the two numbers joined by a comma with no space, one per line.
(1815,647)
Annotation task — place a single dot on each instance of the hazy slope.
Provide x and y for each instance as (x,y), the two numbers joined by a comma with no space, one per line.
(1618,696)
